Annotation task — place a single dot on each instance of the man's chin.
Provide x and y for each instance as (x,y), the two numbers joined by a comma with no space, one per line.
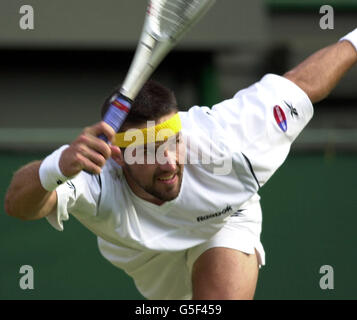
(168,194)
(172,197)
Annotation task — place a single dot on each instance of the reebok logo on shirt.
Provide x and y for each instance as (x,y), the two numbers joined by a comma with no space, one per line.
(238,213)
(72,186)
(293,110)
(214,215)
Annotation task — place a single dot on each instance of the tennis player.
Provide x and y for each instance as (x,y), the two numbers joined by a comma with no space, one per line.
(174,198)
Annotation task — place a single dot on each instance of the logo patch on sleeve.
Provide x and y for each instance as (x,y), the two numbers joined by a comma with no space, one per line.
(280,118)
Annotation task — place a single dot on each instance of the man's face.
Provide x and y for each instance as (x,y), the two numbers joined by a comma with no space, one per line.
(158,176)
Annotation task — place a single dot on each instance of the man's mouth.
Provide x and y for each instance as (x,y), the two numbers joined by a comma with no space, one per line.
(168,179)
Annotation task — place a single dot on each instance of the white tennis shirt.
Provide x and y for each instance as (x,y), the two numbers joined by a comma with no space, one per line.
(243,141)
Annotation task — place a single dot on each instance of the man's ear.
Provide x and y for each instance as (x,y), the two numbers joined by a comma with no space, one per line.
(117,155)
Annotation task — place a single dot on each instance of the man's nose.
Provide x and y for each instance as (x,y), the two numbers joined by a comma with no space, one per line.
(168,163)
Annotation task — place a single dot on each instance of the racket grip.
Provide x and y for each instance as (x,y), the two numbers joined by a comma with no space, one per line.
(116,114)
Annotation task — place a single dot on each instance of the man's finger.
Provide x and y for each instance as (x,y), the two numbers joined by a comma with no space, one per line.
(101,128)
(115,150)
(86,140)
(88,165)
(97,158)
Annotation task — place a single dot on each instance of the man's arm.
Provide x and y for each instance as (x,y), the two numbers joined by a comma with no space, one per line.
(320,73)
(27,198)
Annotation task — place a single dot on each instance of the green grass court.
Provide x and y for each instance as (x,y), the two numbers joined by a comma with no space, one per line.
(309,220)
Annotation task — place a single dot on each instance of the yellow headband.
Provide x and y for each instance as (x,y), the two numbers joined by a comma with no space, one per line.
(159,132)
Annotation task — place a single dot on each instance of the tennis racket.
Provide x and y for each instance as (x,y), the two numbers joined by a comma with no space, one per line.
(166,21)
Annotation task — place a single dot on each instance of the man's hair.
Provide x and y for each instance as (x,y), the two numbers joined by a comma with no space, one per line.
(153,102)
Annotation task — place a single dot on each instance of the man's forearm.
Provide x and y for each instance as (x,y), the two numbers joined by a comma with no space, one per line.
(322,71)
(26,199)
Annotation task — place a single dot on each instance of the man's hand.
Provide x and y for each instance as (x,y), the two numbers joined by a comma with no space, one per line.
(88,152)
(26,198)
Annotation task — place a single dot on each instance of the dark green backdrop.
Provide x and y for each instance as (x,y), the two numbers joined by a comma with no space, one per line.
(309,221)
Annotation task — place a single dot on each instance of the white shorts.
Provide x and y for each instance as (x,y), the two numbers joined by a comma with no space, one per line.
(167,275)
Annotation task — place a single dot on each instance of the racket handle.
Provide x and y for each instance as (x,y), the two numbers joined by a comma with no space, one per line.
(116,114)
